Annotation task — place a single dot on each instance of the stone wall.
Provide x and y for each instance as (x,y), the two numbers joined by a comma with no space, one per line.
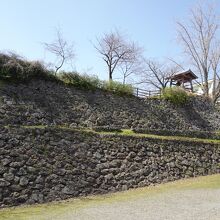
(41,165)
(50,103)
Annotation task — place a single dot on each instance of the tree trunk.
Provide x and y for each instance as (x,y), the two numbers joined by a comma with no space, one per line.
(206,85)
(110,73)
(214,86)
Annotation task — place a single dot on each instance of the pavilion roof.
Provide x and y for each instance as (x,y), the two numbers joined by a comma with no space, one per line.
(184,76)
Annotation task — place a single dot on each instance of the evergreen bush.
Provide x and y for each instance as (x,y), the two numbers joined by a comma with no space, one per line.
(176,95)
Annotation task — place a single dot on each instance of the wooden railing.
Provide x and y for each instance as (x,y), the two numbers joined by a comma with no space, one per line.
(142,93)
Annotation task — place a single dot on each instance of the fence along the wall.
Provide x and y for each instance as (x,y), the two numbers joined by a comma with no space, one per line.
(142,93)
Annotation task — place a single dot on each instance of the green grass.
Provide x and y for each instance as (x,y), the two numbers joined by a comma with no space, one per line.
(34,126)
(128,132)
(54,209)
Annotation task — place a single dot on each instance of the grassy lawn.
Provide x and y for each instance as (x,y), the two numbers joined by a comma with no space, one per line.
(55,209)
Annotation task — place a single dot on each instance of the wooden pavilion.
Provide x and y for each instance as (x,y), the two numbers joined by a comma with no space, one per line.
(183,79)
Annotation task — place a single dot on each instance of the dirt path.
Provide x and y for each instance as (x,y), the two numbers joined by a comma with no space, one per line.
(194,199)
(179,205)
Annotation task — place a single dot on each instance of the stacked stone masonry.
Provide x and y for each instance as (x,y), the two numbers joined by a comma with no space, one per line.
(50,103)
(42,165)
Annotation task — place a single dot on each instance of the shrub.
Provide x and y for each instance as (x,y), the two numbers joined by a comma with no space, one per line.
(81,81)
(34,69)
(92,83)
(10,67)
(118,88)
(13,67)
(175,95)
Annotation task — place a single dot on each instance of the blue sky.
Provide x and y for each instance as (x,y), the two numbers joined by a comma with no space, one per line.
(25,24)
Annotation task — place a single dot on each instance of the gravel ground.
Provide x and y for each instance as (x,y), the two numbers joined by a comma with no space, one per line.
(177,205)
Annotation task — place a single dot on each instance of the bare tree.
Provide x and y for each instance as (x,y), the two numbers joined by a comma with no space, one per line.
(117,51)
(127,69)
(215,65)
(198,38)
(133,66)
(157,74)
(62,50)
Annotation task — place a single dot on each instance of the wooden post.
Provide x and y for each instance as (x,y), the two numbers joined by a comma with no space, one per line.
(149,94)
(137,92)
(191,85)
(171,82)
